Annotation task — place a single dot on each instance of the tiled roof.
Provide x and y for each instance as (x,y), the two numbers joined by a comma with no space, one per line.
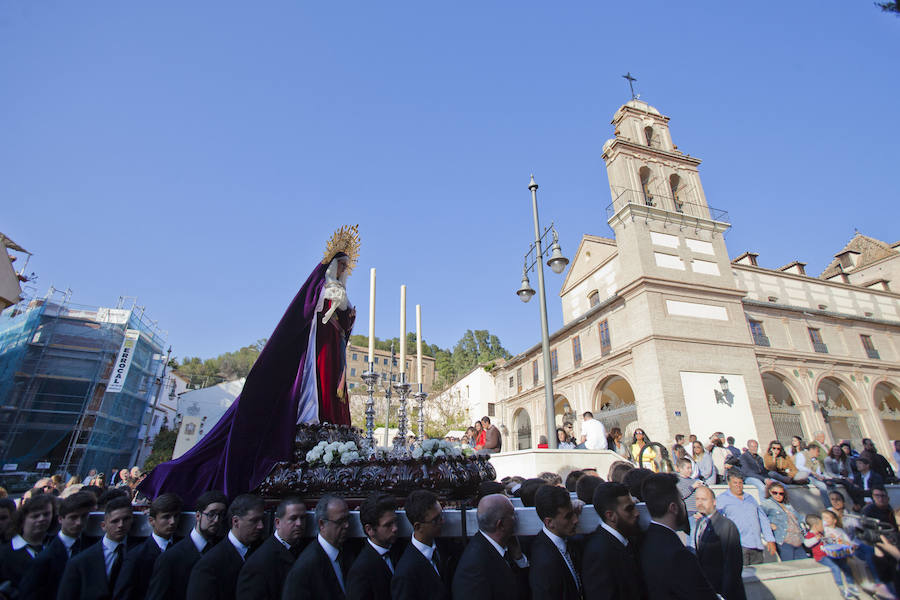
(870,250)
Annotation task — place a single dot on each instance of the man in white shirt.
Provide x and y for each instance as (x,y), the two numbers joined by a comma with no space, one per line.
(593,432)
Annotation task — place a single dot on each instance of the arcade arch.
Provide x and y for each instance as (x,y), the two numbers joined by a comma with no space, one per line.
(835,399)
(614,405)
(887,403)
(562,411)
(782,407)
(522,428)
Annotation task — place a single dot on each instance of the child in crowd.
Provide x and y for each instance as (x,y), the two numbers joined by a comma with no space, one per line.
(815,540)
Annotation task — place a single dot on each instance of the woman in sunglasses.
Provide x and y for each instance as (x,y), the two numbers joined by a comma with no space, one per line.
(779,465)
(785,522)
(640,441)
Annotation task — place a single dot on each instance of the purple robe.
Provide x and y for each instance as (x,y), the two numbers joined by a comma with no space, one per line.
(258,429)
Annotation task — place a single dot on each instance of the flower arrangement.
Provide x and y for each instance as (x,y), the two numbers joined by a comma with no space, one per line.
(435,449)
(330,453)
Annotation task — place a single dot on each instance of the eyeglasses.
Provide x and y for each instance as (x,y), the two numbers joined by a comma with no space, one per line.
(774,493)
(638,433)
(436,520)
(213,515)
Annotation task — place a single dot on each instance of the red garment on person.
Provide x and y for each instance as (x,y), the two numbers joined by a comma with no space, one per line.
(479,441)
(331,366)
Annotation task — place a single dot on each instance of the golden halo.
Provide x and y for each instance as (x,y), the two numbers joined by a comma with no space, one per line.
(346,240)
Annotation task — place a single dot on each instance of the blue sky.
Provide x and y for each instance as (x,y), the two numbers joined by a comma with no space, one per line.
(197,155)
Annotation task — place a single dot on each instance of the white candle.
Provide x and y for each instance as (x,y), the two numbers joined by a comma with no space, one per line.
(419,343)
(402,329)
(372,315)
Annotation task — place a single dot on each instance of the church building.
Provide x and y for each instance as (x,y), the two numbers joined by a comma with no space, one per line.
(664,331)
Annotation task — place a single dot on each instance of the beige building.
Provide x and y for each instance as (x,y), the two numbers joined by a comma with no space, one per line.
(357,357)
(10,291)
(663,329)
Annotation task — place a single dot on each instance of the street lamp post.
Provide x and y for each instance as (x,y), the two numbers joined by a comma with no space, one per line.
(557,262)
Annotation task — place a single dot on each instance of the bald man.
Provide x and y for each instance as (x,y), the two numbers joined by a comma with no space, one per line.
(492,566)
(718,544)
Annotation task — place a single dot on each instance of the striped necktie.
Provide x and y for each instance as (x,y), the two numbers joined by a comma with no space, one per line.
(568,558)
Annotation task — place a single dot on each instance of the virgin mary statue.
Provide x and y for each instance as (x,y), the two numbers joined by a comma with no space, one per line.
(299,377)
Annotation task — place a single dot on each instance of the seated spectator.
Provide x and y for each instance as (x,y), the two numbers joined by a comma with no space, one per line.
(877,462)
(704,469)
(837,464)
(572,479)
(864,481)
(779,465)
(720,456)
(479,435)
(615,443)
(687,485)
(753,468)
(585,487)
(641,450)
(896,453)
(750,519)
(785,521)
(880,508)
(634,480)
(815,540)
(493,442)
(797,446)
(809,467)
(735,451)
(562,440)
(542,442)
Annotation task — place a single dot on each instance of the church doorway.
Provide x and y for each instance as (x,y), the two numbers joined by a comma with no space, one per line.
(842,420)
(522,426)
(887,402)
(783,409)
(614,405)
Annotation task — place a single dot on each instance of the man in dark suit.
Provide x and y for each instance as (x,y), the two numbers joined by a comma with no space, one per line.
(718,544)
(670,571)
(370,576)
(215,575)
(30,525)
(554,573)
(864,480)
(92,574)
(321,569)
(42,579)
(610,565)
(134,578)
(492,567)
(172,568)
(262,576)
(422,572)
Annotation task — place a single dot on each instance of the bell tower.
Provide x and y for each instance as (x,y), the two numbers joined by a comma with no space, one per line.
(684,309)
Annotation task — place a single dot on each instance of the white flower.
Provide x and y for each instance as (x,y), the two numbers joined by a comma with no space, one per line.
(328,458)
(417,452)
(346,458)
(439,453)
(333,447)
(456,452)
(311,457)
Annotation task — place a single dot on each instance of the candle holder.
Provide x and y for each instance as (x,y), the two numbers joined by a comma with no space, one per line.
(370,377)
(420,400)
(402,388)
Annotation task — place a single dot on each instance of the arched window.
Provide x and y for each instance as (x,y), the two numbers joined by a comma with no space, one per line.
(648,134)
(594,298)
(645,185)
(674,182)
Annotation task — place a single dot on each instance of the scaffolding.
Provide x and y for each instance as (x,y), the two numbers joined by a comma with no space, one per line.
(56,358)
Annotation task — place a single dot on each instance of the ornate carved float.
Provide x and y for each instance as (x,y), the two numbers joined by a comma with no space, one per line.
(452,476)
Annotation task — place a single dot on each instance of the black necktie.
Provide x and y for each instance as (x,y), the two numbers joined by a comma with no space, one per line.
(36,548)
(436,561)
(76,548)
(117,565)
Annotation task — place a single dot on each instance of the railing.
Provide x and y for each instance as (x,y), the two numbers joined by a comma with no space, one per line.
(667,203)
(820,347)
(873,353)
(761,340)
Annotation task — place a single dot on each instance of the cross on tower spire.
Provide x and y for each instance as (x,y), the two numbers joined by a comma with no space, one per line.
(631,81)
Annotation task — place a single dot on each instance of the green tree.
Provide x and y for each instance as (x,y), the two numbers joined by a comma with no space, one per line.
(163,447)
(890,7)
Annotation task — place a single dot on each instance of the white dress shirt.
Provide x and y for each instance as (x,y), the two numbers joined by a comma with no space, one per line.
(241,548)
(162,542)
(67,541)
(200,542)
(19,542)
(595,432)
(613,532)
(332,553)
(281,541)
(384,552)
(109,553)
(522,562)
(427,551)
(562,546)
